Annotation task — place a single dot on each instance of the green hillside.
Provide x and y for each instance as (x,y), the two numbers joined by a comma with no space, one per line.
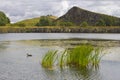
(31,22)
(3,19)
(74,17)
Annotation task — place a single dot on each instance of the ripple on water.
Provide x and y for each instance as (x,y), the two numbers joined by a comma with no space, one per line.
(14,65)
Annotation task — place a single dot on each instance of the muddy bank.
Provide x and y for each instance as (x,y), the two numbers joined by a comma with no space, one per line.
(60,30)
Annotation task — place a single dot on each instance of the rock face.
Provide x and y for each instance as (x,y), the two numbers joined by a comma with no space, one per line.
(77,16)
(3,19)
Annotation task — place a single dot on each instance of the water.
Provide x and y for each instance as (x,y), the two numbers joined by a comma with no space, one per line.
(28,36)
(15,65)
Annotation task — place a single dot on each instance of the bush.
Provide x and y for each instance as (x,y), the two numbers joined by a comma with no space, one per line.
(45,21)
(3,19)
(84,24)
(101,23)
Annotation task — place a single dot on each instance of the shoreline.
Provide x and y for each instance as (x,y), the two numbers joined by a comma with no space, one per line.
(56,29)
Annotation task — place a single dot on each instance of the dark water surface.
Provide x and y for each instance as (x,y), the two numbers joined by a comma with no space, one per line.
(15,65)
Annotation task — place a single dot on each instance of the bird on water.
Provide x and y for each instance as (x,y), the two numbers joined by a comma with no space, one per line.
(29,54)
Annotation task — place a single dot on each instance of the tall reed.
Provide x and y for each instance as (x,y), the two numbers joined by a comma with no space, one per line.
(80,56)
(49,59)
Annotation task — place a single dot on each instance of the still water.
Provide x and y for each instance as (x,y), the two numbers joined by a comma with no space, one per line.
(29,36)
(15,65)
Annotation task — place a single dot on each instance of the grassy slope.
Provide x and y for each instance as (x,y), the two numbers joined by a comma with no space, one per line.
(33,21)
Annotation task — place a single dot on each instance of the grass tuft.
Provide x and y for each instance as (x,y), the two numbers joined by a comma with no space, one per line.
(49,59)
(81,56)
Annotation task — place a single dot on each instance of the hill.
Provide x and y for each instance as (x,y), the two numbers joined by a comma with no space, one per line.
(31,22)
(3,19)
(77,16)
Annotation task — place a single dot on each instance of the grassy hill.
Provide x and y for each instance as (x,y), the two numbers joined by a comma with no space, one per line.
(31,22)
(74,17)
(79,16)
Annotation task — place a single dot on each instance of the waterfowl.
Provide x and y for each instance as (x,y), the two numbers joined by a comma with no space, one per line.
(29,54)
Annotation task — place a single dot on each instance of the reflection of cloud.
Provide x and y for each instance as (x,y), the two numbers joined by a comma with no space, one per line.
(21,9)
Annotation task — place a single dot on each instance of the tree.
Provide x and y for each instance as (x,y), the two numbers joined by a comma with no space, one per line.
(45,21)
(3,19)
(84,24)
(101,23)
(109,21)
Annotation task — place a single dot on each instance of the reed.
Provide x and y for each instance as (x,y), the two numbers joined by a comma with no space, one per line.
(49,59)
(81,56)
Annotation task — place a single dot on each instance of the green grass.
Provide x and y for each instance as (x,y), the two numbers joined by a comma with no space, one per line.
(81,56)
(49,59)
(30,22)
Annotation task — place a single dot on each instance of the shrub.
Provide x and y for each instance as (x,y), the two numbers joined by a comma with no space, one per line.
(45,21)
(84,24)
(101,23)
(3,19)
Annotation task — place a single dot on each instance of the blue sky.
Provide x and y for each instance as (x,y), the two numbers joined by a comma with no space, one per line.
(23,9)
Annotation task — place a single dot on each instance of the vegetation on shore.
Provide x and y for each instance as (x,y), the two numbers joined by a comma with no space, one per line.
(60,29)
(81,56)
(3,19)
(76,20)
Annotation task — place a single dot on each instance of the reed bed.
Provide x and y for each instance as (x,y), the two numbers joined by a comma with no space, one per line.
(81,56)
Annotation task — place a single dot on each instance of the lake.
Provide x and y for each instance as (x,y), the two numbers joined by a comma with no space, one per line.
(15,65)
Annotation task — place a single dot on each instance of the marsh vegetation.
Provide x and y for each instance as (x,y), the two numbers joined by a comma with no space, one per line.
(83,56)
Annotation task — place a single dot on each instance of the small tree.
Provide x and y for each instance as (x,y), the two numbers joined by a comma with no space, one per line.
(84,24)
(45,21)
(3,19)
(101,23)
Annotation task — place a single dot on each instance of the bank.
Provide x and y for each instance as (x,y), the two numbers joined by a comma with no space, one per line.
(54,29)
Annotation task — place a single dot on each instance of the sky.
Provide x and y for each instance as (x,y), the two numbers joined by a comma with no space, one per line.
(18,10)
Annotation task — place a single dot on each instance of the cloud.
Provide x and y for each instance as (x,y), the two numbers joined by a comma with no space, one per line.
(22,9)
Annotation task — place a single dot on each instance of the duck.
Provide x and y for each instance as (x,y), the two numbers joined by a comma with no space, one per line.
(29,54)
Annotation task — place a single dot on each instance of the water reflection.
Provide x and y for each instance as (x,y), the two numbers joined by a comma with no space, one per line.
(3,45)
(73,74)
(14,65)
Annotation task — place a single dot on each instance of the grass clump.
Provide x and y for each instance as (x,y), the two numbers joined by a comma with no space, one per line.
(49,59)
(84,56)
(81,56)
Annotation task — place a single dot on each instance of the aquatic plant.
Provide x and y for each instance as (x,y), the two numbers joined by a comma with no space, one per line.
(49,59)
(80,56)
